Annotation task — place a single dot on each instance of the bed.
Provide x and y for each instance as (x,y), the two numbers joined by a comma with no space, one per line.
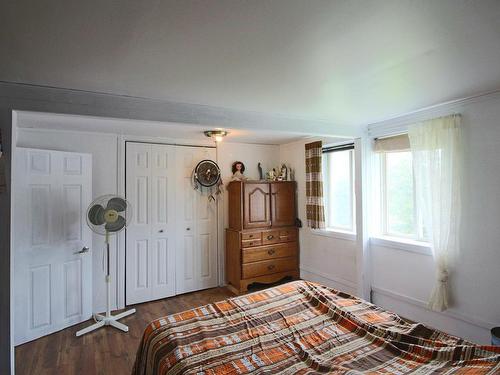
(303,327)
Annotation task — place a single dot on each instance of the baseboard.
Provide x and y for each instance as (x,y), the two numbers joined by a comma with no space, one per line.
(308,273)
(452,321)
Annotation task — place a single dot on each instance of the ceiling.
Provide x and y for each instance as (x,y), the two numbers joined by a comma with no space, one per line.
(348,62)
(152,129)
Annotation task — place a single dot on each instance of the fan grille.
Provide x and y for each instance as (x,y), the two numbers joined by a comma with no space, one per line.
(109,214)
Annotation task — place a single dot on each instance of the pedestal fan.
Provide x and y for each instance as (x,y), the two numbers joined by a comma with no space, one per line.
(108,215)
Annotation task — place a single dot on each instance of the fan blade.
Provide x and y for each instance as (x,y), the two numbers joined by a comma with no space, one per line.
(96,214)
(117,204)
(118,225)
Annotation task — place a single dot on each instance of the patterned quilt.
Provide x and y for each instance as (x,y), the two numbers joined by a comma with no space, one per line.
(303,328)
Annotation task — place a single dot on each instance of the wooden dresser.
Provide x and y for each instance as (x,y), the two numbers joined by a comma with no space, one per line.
(261,240)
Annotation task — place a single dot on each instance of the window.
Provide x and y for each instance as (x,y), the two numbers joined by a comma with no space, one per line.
(338,188)
(400,216)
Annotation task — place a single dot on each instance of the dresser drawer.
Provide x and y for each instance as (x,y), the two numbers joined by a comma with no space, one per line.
(269,252)
(287,235)
(251,243)
(270,237)
(268,267)
(251,236)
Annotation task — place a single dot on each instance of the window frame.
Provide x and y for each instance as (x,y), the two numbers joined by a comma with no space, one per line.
(345,232)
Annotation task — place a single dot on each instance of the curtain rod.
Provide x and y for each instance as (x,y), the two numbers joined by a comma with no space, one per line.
(344,147)
(402,132)
(391,135)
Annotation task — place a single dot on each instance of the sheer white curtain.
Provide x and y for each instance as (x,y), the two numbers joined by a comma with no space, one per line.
(436,148)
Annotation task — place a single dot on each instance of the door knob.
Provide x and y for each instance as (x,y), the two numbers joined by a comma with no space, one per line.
(84,250)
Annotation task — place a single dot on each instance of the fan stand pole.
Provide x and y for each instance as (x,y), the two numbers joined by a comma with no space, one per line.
(108,319)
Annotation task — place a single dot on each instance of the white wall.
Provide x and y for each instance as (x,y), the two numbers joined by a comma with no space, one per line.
(250,155)
(328,260)
(105,149)
(402,280)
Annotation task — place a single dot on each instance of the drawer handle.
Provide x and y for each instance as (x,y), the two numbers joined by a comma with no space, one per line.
(250,236)
(270,237)
(271,251)
(271,267)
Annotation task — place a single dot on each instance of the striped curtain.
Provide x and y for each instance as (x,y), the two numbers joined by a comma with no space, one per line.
(314,186)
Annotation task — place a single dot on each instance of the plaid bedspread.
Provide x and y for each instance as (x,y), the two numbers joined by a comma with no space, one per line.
(303,328)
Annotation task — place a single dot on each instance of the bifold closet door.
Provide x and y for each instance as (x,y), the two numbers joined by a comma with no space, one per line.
(150,258)
(196,216)
(52,243)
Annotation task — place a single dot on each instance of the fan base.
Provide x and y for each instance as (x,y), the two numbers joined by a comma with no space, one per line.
(107,320)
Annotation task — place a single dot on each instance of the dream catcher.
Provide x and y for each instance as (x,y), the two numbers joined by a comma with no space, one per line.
(207,179)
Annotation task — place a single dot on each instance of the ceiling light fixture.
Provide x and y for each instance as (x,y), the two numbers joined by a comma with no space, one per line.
(216,134)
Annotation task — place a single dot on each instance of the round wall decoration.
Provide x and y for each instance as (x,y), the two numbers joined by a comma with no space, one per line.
(207,178)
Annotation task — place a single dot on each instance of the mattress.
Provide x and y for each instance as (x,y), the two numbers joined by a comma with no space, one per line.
(303,327)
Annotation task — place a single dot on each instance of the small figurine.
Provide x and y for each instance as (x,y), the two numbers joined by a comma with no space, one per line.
(271,175)
(238,169)
(261,176)
(284,173)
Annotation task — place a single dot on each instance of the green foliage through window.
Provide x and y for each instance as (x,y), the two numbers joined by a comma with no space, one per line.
(399,194)
(338,189)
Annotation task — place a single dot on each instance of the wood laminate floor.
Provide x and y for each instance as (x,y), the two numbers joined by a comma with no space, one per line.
(107,350)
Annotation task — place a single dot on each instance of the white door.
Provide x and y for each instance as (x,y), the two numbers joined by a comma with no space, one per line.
(196,216)
(52,280)
(150,249)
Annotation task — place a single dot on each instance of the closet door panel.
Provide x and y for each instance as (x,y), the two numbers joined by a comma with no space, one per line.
(138,233)
(186,221)
(196,251)
(174,226)
(150,236)
(162,221)
(206,233)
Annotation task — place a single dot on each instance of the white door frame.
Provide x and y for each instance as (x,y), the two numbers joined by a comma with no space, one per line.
(121,240)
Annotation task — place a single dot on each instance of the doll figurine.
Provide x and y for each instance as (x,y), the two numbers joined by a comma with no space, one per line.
(283,173)
(238,169)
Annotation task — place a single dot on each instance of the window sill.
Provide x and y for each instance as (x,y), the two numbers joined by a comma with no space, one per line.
(335,233)
(404,244)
